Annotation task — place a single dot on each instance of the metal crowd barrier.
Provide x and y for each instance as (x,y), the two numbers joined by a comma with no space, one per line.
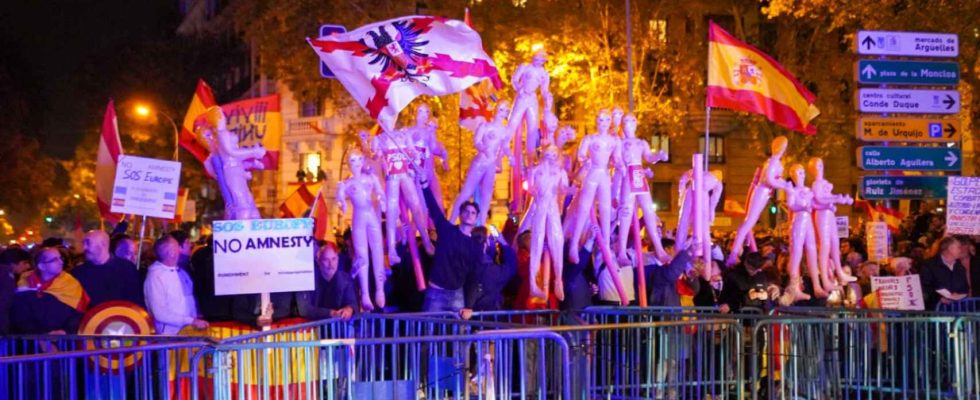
(126,372)
(853,357)
(486,366)
(967,345)
(966,306)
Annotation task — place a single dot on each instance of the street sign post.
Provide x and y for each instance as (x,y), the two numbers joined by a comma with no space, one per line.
(327,30)
(888,72)
(908,130)
(918,44)
(880,158)
(880,187)
(908,101)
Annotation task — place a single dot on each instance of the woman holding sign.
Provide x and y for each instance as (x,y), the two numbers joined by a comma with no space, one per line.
(361,189)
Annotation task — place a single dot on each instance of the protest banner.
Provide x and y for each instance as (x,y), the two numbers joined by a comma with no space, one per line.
(963,205)
(898,292)
(146,186)
(263,256)
(876,234)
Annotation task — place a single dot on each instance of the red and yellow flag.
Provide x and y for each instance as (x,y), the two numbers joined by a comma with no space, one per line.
(299,200)
(890,216)
(203,98)
(742,78)
(110,149)
(321,217)
(255,121)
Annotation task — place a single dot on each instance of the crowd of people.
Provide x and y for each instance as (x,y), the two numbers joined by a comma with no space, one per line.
(49,288)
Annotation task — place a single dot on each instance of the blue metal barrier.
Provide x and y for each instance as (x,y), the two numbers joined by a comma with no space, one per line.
(488,365)
(966,306)
(131,372)
(875,358)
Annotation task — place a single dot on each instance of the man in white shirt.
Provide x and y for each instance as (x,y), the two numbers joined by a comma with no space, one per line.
(169,291)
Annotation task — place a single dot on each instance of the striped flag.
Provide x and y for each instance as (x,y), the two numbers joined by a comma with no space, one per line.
(385,65)
(299,201)
(476,102)
(742,78)
(321,217)
(203,98)
(110,149)
(733,209)
(890,216)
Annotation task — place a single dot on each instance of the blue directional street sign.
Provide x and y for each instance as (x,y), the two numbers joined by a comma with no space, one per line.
(889,72)
(903,187)
(327,30)
(880,158)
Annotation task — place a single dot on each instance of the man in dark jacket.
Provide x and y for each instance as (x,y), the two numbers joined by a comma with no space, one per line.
(747,285)
(456,254)
(943,277)
(333,296)
(106,277)
(484,291)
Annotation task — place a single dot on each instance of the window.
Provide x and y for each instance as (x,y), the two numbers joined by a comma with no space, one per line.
(661,142)
(716,149)
(311,164)
(658,31)
(661,192)
(310,108)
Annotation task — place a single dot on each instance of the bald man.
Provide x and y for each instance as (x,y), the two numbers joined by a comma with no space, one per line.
(104,276)
(169,291)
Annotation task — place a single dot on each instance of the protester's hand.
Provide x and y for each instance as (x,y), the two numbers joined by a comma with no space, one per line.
(199,324)
(466,313)
(344,313)
(774,292)
(724,309)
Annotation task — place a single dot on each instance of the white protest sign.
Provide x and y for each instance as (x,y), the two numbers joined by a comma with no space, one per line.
(898,292)
(876,234)
(146,186)
(843,227)
(263,256)
(963,205)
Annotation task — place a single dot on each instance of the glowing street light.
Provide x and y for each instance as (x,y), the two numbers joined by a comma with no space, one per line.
(143,110)
(2,213)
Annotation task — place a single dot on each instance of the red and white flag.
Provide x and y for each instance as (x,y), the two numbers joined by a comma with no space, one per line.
(476,102)
(110,149)
(386,65)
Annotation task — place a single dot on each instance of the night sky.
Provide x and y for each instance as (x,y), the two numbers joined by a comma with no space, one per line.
(49,41)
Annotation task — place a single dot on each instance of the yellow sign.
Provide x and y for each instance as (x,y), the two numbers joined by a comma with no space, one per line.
(908,130)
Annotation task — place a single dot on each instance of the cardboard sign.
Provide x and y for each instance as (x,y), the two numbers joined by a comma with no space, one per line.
(843,227)
(898,292)
(263,256)
(877,237)
(146,186)
(963,205)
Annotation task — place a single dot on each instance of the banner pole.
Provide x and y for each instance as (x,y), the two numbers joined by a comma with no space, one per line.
(139,245)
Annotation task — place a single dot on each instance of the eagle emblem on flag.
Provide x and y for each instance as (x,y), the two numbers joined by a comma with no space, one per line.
(386,65)
(747,72)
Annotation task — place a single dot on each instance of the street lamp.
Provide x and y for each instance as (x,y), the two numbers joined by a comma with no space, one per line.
(144,111)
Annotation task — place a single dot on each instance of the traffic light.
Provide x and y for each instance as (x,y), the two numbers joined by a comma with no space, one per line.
(772,209)
(48,219)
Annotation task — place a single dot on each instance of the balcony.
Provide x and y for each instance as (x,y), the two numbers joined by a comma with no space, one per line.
(308,126)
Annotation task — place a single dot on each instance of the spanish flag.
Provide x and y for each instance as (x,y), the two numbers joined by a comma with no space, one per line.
(890,216)
(299,200)
(742,78)
(203,98)
(321,217)
(110,148)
